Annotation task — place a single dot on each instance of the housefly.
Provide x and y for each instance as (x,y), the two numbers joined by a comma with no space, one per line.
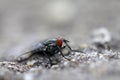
(48,48)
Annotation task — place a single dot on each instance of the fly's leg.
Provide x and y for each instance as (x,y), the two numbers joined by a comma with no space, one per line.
(72,49)
(63,54)
(77,51)
(48,58)
(68,46)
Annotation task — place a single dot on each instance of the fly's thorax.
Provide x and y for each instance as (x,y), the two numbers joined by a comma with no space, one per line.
(51,48)
(49,42)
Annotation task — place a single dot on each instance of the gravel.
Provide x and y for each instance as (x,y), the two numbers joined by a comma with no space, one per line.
(91,62)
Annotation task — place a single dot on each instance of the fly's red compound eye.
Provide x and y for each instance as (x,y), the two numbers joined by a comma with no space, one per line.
(59,42)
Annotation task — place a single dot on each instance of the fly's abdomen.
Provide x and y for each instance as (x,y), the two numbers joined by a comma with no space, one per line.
(24,56)
(38,49)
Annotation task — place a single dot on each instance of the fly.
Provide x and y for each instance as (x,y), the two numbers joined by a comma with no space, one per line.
(48,48)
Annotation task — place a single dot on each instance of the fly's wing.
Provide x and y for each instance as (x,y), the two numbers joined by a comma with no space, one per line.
(34,49)
(38,46)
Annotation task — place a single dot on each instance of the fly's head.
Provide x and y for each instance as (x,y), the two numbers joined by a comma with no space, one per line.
(62,43)
(53,44)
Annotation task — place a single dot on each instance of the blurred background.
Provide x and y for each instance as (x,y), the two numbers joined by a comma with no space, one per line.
(23,22)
